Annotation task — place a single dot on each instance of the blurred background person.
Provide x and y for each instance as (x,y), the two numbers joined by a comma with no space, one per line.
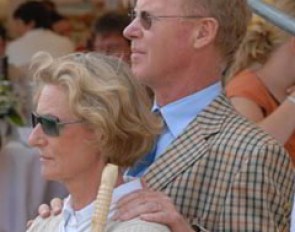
(3,58)
(108,35)
(32,21)
(50,5)
(58,22)
(2,40)
(262,78)
(61,25)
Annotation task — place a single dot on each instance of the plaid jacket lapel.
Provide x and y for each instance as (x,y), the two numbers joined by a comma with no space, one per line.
(189,147)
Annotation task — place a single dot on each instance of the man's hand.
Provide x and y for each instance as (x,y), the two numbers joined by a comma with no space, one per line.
(151,206)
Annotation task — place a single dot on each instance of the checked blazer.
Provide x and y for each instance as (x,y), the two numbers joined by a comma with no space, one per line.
(225,174)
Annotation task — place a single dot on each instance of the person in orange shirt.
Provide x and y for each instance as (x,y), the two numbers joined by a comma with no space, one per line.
(261,79)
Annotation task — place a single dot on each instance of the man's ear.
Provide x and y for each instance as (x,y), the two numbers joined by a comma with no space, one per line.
(205,32)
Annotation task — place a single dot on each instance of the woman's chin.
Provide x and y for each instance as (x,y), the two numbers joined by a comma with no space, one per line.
(49,175)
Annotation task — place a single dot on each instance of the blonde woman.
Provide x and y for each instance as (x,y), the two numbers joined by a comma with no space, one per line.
(89,112)
(262,78)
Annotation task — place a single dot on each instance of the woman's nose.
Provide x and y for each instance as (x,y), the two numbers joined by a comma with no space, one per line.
(36,137)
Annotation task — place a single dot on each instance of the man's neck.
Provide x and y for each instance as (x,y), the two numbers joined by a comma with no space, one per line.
(200,73)
(170,94)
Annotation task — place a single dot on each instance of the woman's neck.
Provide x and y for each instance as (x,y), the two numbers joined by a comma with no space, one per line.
(84,191)
(83,187)
(276,80)
(278,73)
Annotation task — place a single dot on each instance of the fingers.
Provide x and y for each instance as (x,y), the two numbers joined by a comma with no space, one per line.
(44,211)
(130,213)
(161,211)
(127,204)
(151,206)
(137,198)
(56,206)
(131,198)
(29,223)
(141,202)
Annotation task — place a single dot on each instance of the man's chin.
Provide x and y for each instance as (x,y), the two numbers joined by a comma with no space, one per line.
(138,72)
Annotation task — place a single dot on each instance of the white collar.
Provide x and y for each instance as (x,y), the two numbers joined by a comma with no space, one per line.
(84,214)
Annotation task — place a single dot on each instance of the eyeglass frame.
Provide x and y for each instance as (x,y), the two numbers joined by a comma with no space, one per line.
(50,125)
(146,18)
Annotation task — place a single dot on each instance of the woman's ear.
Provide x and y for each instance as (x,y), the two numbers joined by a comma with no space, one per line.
(205,32)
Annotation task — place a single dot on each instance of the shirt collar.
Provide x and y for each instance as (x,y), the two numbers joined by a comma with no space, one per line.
(87,212)
(78,216)
(180,113)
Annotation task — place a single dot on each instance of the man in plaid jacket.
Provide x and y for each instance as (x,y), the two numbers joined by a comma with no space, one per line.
(212,170)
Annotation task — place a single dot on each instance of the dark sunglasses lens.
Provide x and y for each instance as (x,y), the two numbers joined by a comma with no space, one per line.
(132,15)
(145,20)
(49,125)
(34,120)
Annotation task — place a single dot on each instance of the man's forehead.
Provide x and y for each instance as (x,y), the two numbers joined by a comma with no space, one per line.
(157,5)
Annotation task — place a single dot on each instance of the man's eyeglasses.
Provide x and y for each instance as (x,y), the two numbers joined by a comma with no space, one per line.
(50,125)
(146,18)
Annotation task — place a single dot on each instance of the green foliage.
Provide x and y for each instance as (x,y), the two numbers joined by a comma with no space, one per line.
(9,105)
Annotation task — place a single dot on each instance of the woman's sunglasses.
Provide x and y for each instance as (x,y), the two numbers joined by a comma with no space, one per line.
(51,126)
(146,18)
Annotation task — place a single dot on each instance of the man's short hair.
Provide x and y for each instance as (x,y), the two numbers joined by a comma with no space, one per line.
(111,22)
(233,17)
(33,11)
(2,32)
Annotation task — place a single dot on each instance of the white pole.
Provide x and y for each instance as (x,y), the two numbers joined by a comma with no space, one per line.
(273,15)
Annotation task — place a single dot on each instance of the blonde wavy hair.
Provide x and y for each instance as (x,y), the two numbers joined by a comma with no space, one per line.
(261,40)
(102,92)
(233,17)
